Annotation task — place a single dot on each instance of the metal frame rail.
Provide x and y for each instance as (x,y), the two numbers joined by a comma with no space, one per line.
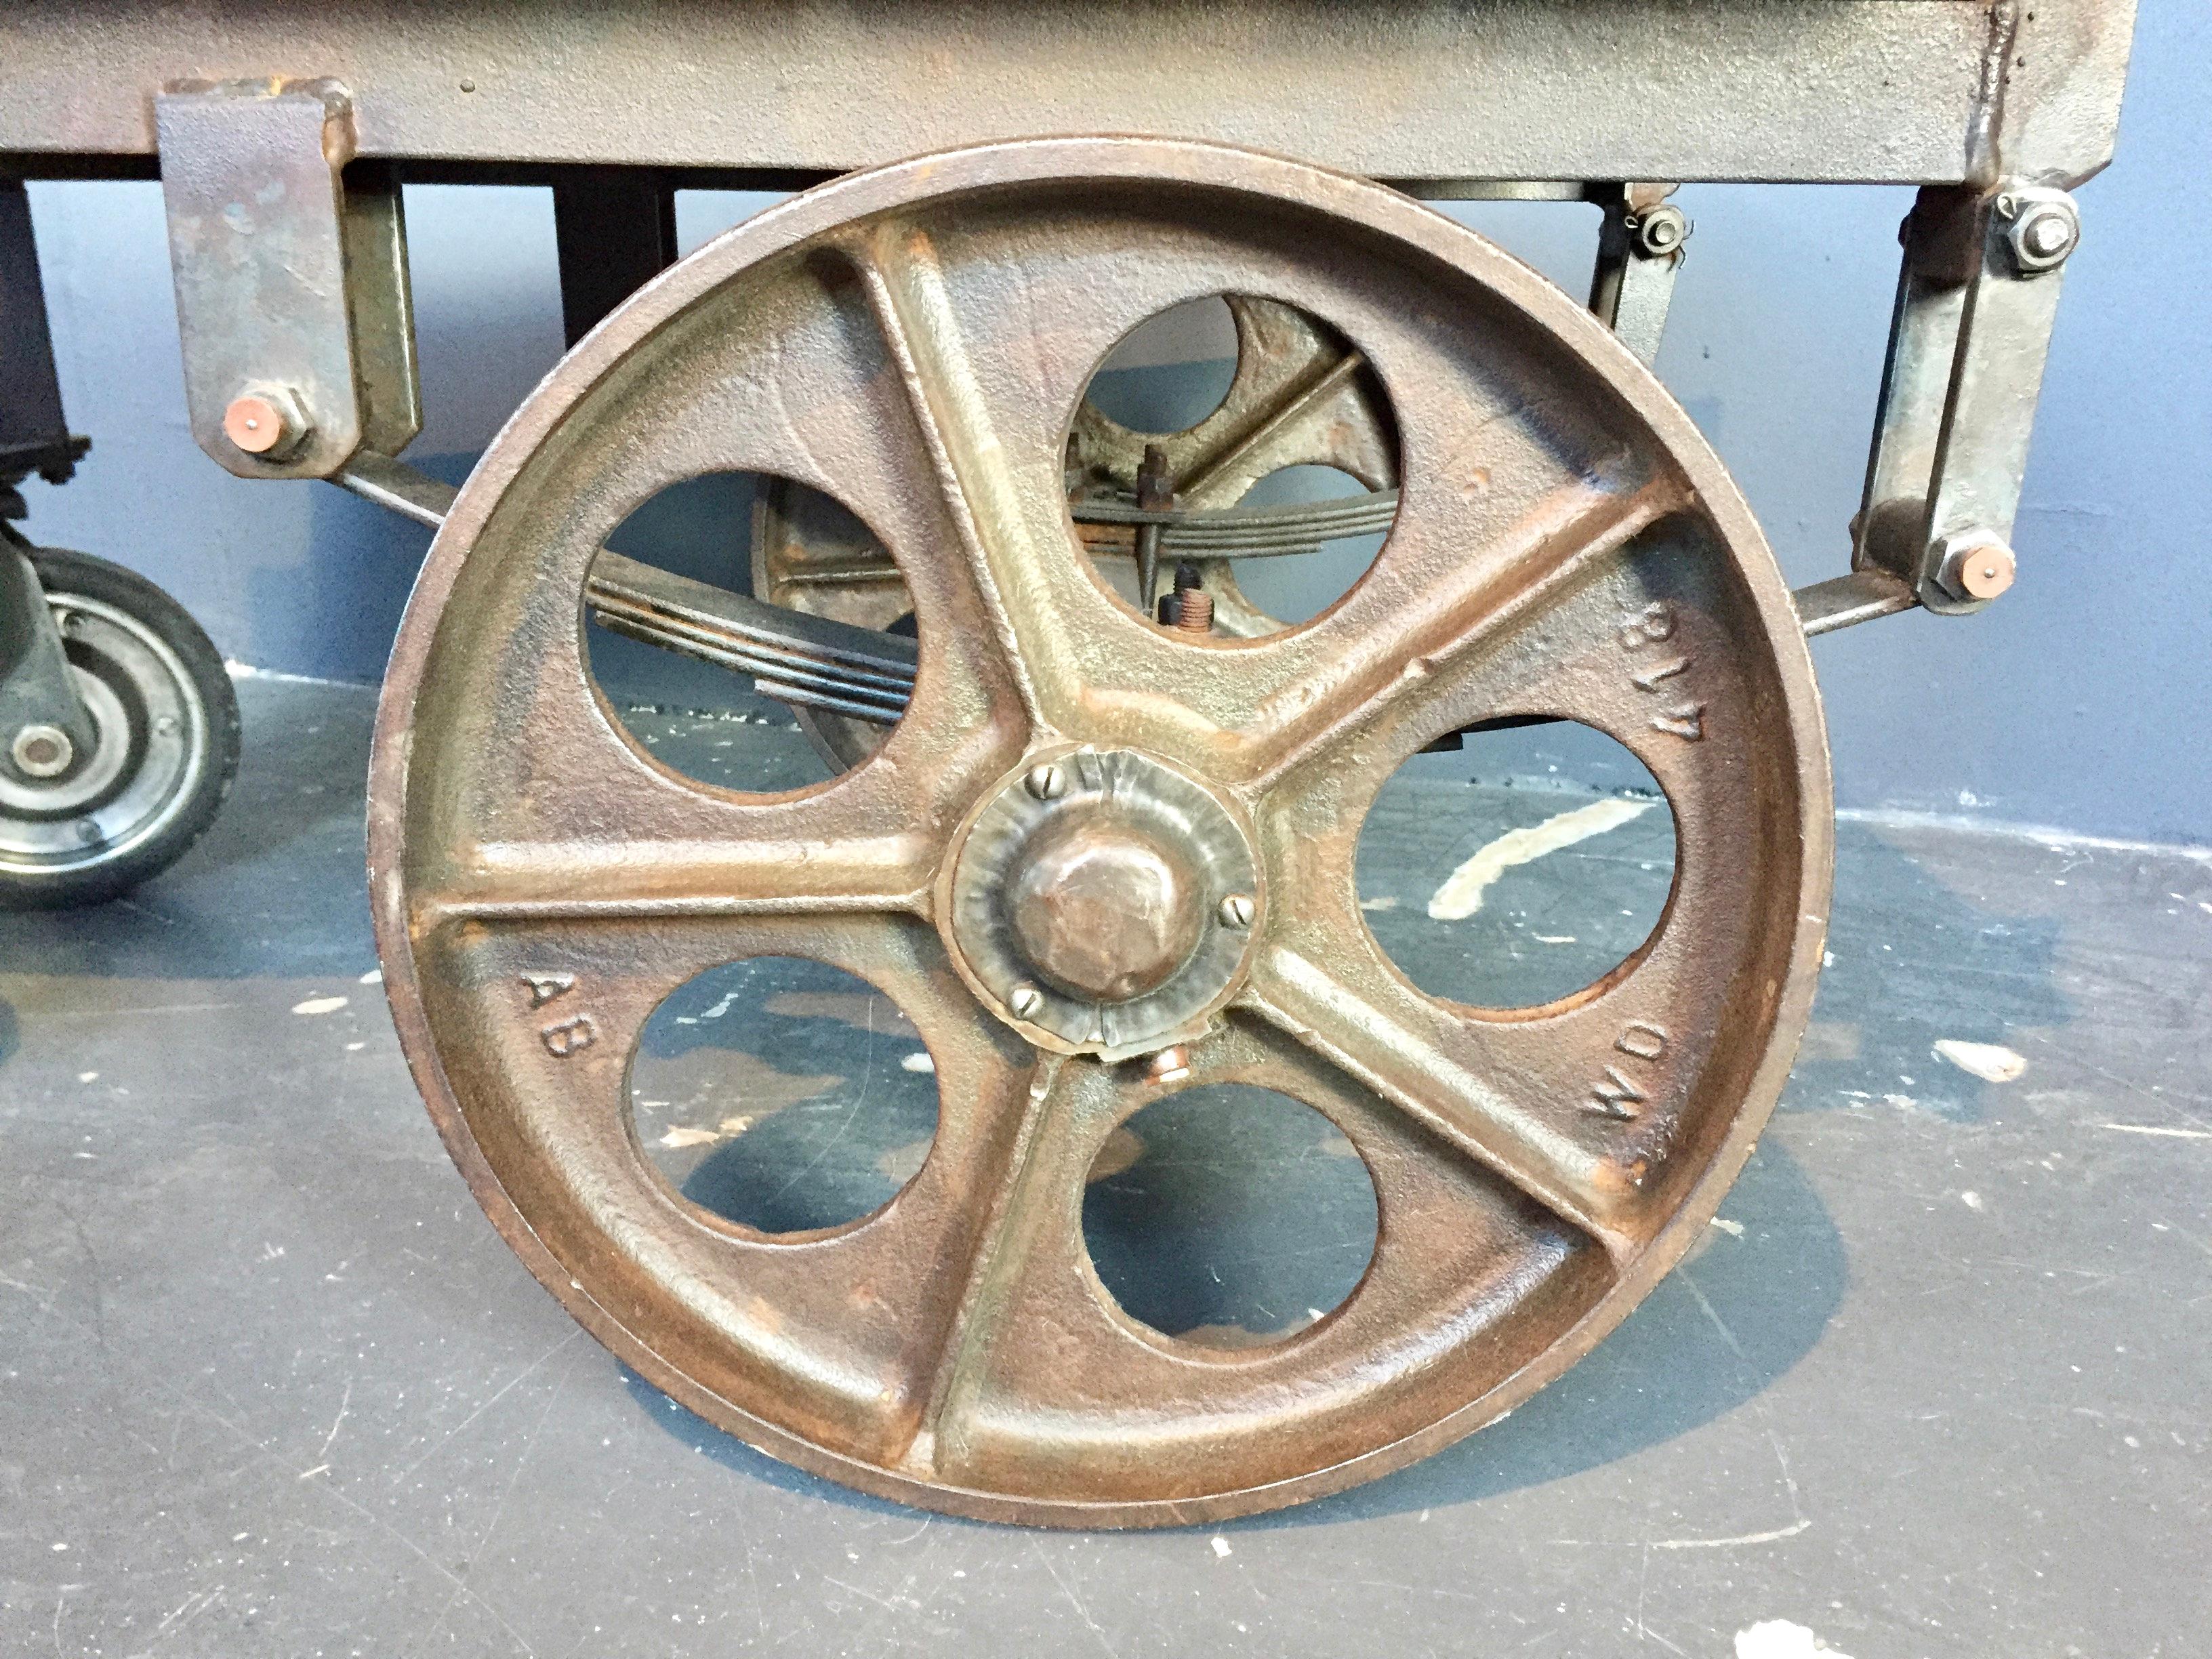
(297,326)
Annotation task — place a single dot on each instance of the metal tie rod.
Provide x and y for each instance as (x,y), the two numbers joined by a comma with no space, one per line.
(815,662)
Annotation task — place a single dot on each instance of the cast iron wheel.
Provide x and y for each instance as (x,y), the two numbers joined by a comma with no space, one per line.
(166,749)
(914,342)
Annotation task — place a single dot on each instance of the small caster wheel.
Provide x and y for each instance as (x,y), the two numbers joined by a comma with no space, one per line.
(83,827)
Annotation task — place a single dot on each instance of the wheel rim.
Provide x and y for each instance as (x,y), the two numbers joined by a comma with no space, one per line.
(916,341)
(149,754)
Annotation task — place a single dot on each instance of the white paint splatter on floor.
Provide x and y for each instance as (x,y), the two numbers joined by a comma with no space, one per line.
(320,1006)
(1781,1638)
(1221,1546)
(1991,1062)
(1732,1229)
(2139,1129)
(919,1060)
(1461,896)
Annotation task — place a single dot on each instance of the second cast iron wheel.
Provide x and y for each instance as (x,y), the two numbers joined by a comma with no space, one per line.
(914,342)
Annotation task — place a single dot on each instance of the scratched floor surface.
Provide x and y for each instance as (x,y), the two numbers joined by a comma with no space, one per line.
(1936,1383)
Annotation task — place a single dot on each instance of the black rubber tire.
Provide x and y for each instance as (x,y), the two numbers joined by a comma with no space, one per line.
(64,574)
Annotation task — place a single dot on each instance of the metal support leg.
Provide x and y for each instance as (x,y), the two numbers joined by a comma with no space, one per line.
(33,437)
(614,230)
(44,725)
(1976,298)
(1639,249)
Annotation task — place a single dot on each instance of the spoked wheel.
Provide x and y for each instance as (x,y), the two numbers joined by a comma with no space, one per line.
(1091,837)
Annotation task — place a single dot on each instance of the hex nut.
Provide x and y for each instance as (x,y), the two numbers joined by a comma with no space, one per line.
(1171,1065)
(2043,231)
(1974,565)
(266,422)
(42,751)
(1661,231)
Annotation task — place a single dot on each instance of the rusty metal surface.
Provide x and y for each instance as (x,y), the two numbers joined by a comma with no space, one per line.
(915,342)
(1454,95)
(292,294)
(1299,396)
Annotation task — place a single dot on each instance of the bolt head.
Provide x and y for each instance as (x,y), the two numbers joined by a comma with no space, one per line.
(166,727)
(1024,1001)
(266,422)
(1662,230)
(1987,571)
(1047,782)
(89,832)
(2043,233)
(42,751)
(1171,1065)
(1975,565)
(1236,910)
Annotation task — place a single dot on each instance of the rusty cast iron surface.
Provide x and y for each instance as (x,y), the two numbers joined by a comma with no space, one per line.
(914,343)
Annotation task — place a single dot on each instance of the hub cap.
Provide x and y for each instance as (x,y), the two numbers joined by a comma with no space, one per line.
(1101,901)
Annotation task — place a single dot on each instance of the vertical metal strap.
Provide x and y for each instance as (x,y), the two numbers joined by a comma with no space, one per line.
(1977,299)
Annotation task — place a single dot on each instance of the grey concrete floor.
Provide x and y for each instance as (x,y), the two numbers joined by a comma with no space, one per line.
(1936,1383)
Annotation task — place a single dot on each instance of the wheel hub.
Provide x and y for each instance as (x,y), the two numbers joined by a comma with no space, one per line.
(1103,911)
(1088,900)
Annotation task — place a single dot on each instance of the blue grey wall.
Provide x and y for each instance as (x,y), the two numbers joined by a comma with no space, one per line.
(2079,702)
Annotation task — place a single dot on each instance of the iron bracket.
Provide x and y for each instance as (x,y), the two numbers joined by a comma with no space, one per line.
(1640,248)
(291,275)
(1977,297)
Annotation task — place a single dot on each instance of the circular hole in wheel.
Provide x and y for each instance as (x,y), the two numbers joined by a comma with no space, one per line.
(1170,371)
(1268,505)
(783,1095)
(1297,587)
(1229,1216)
(741,629)
(1509,866)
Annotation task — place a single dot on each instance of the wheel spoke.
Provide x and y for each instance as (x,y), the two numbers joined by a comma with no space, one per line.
(1011,546)
(1379,1039)
(1037,1162)
(542,882)
(1572,531)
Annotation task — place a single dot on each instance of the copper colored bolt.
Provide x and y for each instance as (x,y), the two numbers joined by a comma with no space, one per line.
(1171,1065)
(1986,571)
(1195,610)
(265,422)
(1975,566)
